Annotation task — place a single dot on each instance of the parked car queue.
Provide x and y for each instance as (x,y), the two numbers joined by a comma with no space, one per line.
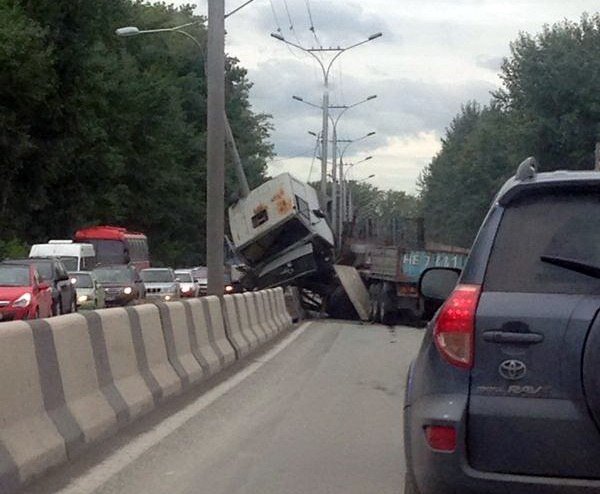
(39,287)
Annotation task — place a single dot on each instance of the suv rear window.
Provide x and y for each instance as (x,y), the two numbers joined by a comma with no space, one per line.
(559,225)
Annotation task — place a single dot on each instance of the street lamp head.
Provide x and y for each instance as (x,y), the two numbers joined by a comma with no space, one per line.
(125,32)
(370,176)
(313,133)
(368,158)
(373,96)
(277,36)
(375,36)
(297,98)
(371,134)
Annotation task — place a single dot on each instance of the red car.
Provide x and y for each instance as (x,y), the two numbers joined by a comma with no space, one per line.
(23,295)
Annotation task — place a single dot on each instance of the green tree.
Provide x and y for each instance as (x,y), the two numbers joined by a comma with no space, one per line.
(98,129)
(549,107)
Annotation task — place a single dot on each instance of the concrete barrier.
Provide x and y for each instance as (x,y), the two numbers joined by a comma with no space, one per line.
(244,319)
(176,331)
(83,397)
(255,324)
(280,300)
(204,341)
(233,326)
(72,380)
(122,361)
(30,443)
(151,351)
(277,317)
(268,319)
(212,309)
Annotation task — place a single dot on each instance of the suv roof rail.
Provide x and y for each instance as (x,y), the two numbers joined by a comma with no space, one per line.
(527,169)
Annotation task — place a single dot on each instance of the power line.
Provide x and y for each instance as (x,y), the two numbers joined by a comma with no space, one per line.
(287,11)
(279,30)
(312,24)
(275,16)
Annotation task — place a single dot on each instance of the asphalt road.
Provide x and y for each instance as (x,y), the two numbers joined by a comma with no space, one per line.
(318,412)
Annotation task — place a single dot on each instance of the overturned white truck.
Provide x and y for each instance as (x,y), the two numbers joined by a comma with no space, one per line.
(283,236)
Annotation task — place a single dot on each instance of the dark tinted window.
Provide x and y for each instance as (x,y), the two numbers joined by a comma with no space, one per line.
(45,270)
(114,275)
(157,275)
(109,251)
(560,225)
(82,280)
(14,275)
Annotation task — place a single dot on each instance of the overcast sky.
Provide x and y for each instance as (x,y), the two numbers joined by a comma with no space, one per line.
(434,56)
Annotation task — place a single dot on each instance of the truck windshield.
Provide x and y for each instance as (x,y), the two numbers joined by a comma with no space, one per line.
(70,262)
(110,251)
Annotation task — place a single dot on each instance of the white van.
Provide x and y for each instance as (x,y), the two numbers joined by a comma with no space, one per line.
(75,257)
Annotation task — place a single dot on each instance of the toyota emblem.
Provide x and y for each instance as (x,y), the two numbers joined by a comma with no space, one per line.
(513,370)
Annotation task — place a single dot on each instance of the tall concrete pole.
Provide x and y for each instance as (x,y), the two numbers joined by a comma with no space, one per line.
(237,161)
(215,155)
(334,189)
(325,143)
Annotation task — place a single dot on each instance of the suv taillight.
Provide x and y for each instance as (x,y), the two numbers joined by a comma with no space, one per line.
(454,329)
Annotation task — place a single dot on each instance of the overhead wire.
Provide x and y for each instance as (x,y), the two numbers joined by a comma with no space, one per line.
(289,16)
(275,16)
(312,24)
(279,30)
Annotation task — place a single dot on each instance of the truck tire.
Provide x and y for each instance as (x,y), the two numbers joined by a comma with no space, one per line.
(339,305)
(374,293)
(387,305)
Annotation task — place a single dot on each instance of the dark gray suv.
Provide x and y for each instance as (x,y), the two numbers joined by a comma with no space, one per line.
(504,395)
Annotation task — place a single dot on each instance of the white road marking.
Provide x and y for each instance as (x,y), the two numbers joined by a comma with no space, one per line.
(111,466)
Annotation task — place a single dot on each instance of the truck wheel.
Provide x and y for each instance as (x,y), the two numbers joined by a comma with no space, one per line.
(374,295)
(386,307)
(339,305)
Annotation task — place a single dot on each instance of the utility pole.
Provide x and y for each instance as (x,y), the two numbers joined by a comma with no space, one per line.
(597,162)
(215,155)
(336,191)
(316,53)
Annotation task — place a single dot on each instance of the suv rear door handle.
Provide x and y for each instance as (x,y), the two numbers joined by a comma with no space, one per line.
(511,337)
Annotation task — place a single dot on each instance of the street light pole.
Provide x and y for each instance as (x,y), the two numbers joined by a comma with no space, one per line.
(215,155)
(325,106)
(335,205)
(345,209)
(342,209)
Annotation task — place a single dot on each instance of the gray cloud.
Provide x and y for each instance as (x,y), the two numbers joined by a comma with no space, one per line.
(404,107)
(336,23)
(490,63)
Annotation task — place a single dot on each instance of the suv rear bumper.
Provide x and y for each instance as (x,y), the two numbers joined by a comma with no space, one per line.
(448,473)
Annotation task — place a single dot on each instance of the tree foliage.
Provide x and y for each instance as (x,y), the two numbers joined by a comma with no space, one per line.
(548,107)
(98,129)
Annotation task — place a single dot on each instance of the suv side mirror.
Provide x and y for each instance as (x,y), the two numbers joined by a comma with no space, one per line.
(435,286)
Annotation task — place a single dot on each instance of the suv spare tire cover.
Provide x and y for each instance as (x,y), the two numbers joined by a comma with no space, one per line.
(591,370)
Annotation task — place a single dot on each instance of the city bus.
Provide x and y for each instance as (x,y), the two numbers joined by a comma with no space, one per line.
(116,245)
